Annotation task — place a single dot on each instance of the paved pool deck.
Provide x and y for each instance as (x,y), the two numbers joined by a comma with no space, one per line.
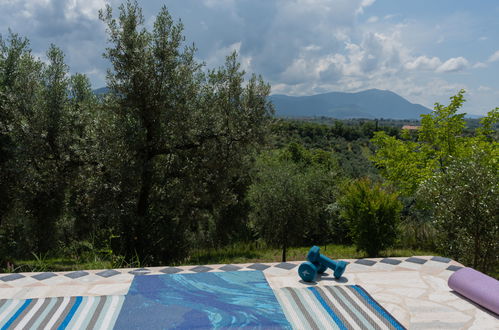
(414,290)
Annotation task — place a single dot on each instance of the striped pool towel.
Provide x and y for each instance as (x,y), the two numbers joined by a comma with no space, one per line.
(60,313)
(334,307)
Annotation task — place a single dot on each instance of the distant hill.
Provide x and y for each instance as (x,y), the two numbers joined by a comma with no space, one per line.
(101,91)
(473,116)
(372,103)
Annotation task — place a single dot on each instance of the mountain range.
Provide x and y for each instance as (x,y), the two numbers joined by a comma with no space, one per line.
(372,103)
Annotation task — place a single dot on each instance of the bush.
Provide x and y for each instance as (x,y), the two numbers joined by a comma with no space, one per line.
(465,202)
(417,230)
(290,198)
(372,214)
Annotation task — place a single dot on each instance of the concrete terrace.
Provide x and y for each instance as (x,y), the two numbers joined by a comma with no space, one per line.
(414,290)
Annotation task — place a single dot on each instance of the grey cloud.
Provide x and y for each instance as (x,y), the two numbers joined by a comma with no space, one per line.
(272,34)
(77,32)
(299,46)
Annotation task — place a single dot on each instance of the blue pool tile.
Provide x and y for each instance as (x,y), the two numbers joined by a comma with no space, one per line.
(11,277)
(454,268)
(76,274)
(390,261)
(258,267)
(43,276)
(285,265)
(201,269)
(230,268)
(171,270)
(365,262)
(441,259)
(139,271)
(416,260)
(108,273)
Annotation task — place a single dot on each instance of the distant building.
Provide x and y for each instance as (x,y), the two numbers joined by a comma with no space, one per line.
(411,128)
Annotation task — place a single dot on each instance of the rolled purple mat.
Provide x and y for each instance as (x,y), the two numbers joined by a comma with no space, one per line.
(476,286)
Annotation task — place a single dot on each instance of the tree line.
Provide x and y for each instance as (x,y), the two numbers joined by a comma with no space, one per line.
(178,156)
(149,168)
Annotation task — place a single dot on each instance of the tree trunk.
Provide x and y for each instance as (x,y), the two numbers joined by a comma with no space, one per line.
(46,208)
(145,189)
(139,230)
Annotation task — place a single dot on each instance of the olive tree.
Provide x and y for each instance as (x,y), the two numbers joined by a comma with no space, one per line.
(185,133)
(290,198)
(465,204)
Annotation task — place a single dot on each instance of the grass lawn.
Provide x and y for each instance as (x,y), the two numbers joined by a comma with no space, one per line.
(233,254)
(240,253)
(57,265)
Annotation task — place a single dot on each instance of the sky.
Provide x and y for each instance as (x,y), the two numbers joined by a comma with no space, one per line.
(425,50)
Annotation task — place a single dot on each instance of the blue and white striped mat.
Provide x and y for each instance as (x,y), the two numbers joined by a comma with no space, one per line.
(319,307)
(60,313)
(334,307)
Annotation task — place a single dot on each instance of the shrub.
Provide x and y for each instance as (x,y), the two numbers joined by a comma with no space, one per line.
(372,214)
(465,202)
(289,202)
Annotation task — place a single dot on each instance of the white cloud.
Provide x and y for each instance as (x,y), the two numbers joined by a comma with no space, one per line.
(494,57)
(484,88)
(215,3)
(311,48)
(218,57)
(74,9)
(423,63)
(479,65)
(453,65)
(299,46)
(364,4)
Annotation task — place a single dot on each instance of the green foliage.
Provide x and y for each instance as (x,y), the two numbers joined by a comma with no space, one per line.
(401,162)
(417,231)
(298,154)
(279,202)
(347,140)
(16,90)
(161,163)
(259,252)
(372,214)
(407,163)
(37,131)
(455,175)
(465,201)
(185,136)
(249,252)
(165,163)
(290,196)
(488,123)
